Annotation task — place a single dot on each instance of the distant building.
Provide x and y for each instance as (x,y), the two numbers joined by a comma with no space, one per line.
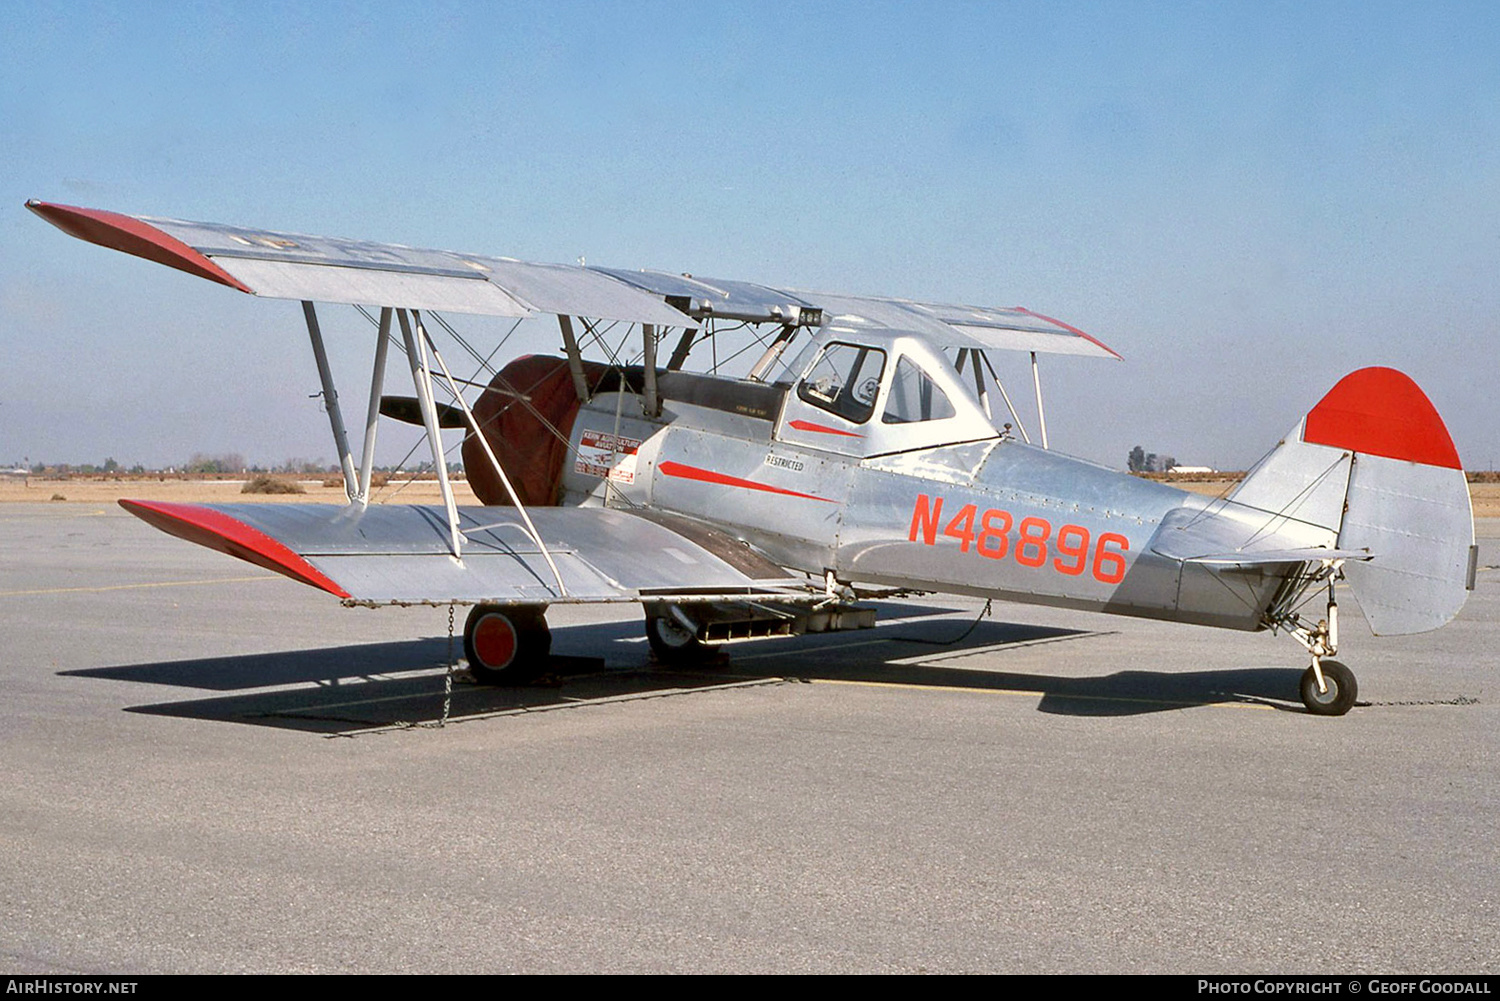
(1191,470)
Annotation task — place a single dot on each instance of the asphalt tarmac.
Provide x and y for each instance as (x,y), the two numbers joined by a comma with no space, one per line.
(209,768)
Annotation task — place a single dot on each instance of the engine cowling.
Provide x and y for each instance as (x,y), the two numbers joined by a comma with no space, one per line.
(527,415)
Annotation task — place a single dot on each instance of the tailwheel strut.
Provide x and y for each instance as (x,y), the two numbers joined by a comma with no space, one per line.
(506,644)
(1328,687)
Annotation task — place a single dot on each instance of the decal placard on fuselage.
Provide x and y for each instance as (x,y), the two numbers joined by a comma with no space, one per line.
(995,534)
(607,455)
(795,465)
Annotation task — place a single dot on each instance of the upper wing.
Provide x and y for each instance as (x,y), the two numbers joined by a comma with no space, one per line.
(323,269)
(295,266)
(399,553)
(1013,329)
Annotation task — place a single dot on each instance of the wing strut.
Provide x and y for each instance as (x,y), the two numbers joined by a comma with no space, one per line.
(421,375)
(1041,415)
(1021,427)
(972,355)
(975,356)
(372,417)
(530,528)
(648,378)
(778,346)
(684,345)
(575,357)
(331,404)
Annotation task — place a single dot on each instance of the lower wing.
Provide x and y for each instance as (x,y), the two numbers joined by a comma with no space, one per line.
(399,554)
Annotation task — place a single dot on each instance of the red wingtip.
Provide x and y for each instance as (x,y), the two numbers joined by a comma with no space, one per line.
(1380,411)
(220,532)
(132,236)
(1071,329)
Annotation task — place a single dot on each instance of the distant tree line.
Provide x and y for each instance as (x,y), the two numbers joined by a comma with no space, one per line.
(229,463)
(1141,461)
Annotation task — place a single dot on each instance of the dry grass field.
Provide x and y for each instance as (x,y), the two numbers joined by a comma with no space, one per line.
(226,490)
(1484,496)
(212,489)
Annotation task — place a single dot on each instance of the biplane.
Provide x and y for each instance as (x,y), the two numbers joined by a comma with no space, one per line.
(863,453)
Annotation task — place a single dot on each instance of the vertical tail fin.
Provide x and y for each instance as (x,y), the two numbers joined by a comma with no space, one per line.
(1374,462)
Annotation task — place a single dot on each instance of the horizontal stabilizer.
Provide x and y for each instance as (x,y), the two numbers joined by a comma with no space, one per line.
(1268,556)
(1229,535)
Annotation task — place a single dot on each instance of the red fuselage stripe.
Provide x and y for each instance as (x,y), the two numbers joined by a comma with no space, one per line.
(821,429)
(709,476)
(220,532)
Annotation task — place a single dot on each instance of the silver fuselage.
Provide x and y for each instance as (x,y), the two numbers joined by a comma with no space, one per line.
(948,505)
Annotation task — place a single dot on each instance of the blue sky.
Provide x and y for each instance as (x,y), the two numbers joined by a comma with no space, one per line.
(1246,200)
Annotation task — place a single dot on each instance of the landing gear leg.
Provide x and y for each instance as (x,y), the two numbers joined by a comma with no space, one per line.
(506,644)
(673,636)
(1328,687)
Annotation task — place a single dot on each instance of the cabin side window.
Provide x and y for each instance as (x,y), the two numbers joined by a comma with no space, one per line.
(845,381)
(914,397)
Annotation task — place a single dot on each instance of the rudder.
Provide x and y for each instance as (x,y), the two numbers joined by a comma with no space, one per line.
(1374,462)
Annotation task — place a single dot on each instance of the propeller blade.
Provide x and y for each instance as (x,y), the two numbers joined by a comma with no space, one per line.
(408,410)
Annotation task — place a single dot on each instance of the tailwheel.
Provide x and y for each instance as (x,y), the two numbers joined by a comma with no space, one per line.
(506,644)
(1340,689)
(674,636)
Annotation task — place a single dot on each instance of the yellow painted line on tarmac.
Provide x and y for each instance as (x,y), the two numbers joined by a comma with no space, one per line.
(324,706)
(1034,694)
(801,651)
(922,658)
(924,688)
(132,587)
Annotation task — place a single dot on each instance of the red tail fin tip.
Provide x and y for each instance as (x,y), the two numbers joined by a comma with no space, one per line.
(1380,411)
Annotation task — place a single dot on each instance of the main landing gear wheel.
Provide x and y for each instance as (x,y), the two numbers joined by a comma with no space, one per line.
(1341,693)
(506,644)
(674,638)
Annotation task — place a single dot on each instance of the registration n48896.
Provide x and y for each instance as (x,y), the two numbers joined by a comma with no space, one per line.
(994,534)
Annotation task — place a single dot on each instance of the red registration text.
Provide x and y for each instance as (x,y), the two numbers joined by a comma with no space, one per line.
(1032,543)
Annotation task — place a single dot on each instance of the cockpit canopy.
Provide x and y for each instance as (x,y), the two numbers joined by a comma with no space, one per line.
(871,392)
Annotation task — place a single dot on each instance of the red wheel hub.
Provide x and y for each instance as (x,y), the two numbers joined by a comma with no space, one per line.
(495,641)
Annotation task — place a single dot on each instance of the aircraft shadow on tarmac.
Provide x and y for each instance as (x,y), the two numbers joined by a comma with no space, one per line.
(350,688)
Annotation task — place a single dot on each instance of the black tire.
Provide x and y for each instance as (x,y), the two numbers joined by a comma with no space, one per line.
(505,644)
(674,643)
(1342,690)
